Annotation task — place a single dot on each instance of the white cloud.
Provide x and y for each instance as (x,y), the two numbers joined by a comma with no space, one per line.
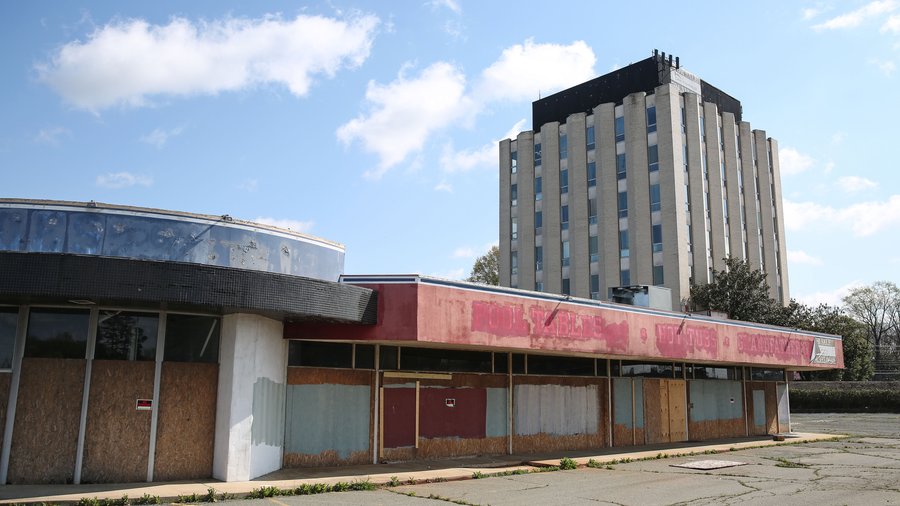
(524,71)
(862,219)
(444,186)
(129,62)
(855,18)
(832,298)
(406,112)
(838,137)
(159,137)
(464,252)
(51,136)
(118,180)
(811,13)
(829,167)
(886,67)
(892,24)
(793,162)
(453,5)
(853,184)
(485,156)
(802,258)
(295,225)
(249,185)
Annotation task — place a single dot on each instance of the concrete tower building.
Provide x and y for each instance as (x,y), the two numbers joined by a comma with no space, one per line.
(643,176)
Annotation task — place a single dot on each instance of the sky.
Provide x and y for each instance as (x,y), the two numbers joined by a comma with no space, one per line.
(375,124)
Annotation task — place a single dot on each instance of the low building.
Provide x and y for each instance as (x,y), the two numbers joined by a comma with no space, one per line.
(147,345)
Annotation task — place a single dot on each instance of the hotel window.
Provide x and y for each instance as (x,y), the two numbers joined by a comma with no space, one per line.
(514,194)
(658,275)
(566,287)
(564,181)
(564,218)
(594,248)
(538,258)
(590,137)
(538,222)
(625,276)
(537,154)
(620,166)
(563,147)
(592,174)
(513,162)
(651,119)
(623,205)
(514,262)
(620,128)
(623,244)
(515,228)
(656,233)
(595,286)
(654,197)
(653,157)
(565,253)
(537,188)
(539,286)
(592,211)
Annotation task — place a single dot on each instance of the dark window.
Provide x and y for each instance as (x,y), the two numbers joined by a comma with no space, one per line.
(538,219)
(723,373)
(567,366)
(365,356)
(564,181)
(592,174)
(563,147)
(518,363)
(537,188)
(126,336)
(595,286)
(191,338)
(594,248)
(625,276)
(592,211)
(388,358)
(653,157)
(655,204)
(757,374)
(9,318)
(501,363)
(590,137)
(537,154)
(513,162)
(620,128)
(658,278)
(656,233)
(57,333)
(566,286)
(623,243)
(316,354)
(514,193)
(651,119)
(538,258)
(620,166)
(649,370)
(564,217)
(427,359)
(623,204)
(514,262)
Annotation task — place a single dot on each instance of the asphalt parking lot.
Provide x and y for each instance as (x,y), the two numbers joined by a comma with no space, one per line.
(862,469)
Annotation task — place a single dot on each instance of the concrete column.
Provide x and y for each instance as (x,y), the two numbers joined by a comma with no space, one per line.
(732,189)
(695,178)
(505,245)
(250,408)
(768,227)
(714,186)
(524,211)
(579,229)
(552,275)
(781,245)
(751,209)
(638,184)
(607,195)
(671,183)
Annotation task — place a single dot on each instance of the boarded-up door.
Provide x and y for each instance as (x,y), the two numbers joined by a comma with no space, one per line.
(759,412)
(784,408)
(677,409)
(399,406)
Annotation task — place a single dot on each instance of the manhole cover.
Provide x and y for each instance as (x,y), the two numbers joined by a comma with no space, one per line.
(709,464)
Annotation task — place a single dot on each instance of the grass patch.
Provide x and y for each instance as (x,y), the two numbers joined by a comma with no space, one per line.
(782,462)
(567,464)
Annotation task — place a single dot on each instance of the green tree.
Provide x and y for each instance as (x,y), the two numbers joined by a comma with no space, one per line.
(858,364)
(877,307)
(487,268)
(738,291)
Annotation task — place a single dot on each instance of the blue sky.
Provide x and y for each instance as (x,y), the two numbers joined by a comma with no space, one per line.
(374,124)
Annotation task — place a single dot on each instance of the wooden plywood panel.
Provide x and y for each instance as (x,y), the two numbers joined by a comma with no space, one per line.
(540,443)
(5,379)
(48,413)
(460,447)
(187,421)
(316,376)
(771,408)
(653,416)
(677,409)
(452,413)
(326,458)
(117,436)
(399,417)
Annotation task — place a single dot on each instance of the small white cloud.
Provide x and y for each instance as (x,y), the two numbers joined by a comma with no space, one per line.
(862,219)
(793,162)
(810,13)
(829,167)
(294,225)
(131,61)
(832,298)
(803,258)
(486,156)
(892,24)
(52,136)
(453,5)
(159,137)
(886,67)
(464,252)
(527,70)
(854,184)
(406,112)
(838,137)
(249,185)
(855,18)
(118,180)
(444,186)
(455,29)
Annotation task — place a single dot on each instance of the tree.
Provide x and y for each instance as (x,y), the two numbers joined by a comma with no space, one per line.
(487,268)
(858,365)
(740,292)
(877,307)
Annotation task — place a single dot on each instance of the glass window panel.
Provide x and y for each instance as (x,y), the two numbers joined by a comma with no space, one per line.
(427,359)
(649,370)
(126,336)
(592,173)
(620,128)
(564,181)
(365,356)
(537,154)
(565,366)
(590,137)
(758,374)
(192,338)
(57,333)
(563,147)
(9,318)
(388,358)
(513,162)
(316,354)
(501,363)
(518,363)
(538,219)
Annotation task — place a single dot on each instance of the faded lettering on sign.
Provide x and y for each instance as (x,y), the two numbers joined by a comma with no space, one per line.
(682,341)
(781,347)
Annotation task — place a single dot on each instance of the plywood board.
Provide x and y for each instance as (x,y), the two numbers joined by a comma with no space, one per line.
(653,412)
(48,413)
(677,410)
(452,413)
(326,458)
(117,436)
(460,447)
(327,424)
(187,421)
(313,376)
(540,443)
(771,408)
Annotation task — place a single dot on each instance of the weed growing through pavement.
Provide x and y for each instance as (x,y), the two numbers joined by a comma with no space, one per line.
(567,464)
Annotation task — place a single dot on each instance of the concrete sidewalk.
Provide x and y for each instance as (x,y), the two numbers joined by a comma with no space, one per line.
(407,472)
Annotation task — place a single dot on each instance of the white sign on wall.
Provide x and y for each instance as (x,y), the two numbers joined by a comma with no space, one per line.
(824,352)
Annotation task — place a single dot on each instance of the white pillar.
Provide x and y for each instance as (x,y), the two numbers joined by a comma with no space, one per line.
(250,408)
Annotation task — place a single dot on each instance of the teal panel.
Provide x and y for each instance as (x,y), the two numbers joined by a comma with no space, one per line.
(712,400)
(327,417)
(759,407)
(268,413)
(496,416)
(622,401)
(639,403)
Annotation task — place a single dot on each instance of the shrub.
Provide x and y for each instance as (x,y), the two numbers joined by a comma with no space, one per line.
(846,400)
